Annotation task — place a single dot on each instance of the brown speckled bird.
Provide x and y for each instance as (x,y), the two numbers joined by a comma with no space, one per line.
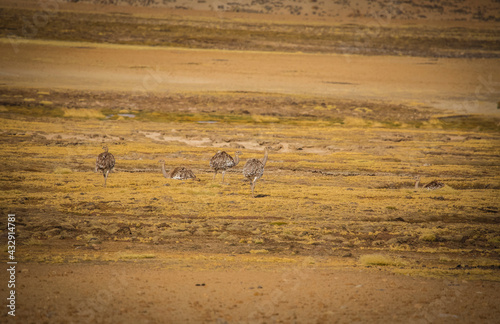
(254,169)
(179,173)
(433,185)
(105,162)
(223,161)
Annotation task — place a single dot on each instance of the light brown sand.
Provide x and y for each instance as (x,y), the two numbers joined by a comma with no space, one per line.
(466,86)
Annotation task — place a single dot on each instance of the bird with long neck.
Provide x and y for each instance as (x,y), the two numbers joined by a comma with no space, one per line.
(254,169)
(165,174)
(178,173)
(105,162)
(222,161)
(417,181)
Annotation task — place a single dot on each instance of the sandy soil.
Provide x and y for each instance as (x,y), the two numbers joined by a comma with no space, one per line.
(185,290)
(465,86)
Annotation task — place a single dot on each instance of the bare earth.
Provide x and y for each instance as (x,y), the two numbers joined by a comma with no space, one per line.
(230,291)
(465,86)
(191,279)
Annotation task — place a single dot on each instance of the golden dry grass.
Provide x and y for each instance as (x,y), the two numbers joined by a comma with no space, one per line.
(328,190)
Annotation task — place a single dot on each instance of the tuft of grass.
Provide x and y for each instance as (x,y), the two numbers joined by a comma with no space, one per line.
(60,170)
(354,122)
(56,259)
(137,256)
(445,259)
(428,237)
(83,113)
(278,223)
(494,240)
(377,260)
(262,251)
(33,241)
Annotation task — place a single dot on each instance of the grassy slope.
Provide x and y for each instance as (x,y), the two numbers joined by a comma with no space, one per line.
(235,34)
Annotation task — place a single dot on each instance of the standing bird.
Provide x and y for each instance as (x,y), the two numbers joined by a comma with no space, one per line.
(254,169)
(223,161)
(417,181)
(433,185)
(179,173)
(105,162)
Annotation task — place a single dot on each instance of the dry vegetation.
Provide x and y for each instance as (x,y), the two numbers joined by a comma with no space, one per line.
(376,38)
(339,182)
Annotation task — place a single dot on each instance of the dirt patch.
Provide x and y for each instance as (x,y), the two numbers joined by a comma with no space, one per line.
(194,288)
(462,86)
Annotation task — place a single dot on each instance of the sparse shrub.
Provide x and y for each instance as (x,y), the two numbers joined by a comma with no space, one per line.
(60,170)
(56,259)
(137,256)
(355,122)
(428,237)
(83,113)
(495,240)
(33,241)
(376,260)
(263,251)
(445,259)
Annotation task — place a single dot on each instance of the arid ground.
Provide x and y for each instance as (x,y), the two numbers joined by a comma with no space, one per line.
(352,107)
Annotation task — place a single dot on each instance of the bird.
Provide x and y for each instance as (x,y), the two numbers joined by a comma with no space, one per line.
(254,169)
(433,185)
(417,181)
(223,161)
(105,162)
(178,173)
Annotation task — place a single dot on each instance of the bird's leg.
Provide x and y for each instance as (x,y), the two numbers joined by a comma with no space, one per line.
(253,186)
(223,172)
(215,174)
(105,174)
